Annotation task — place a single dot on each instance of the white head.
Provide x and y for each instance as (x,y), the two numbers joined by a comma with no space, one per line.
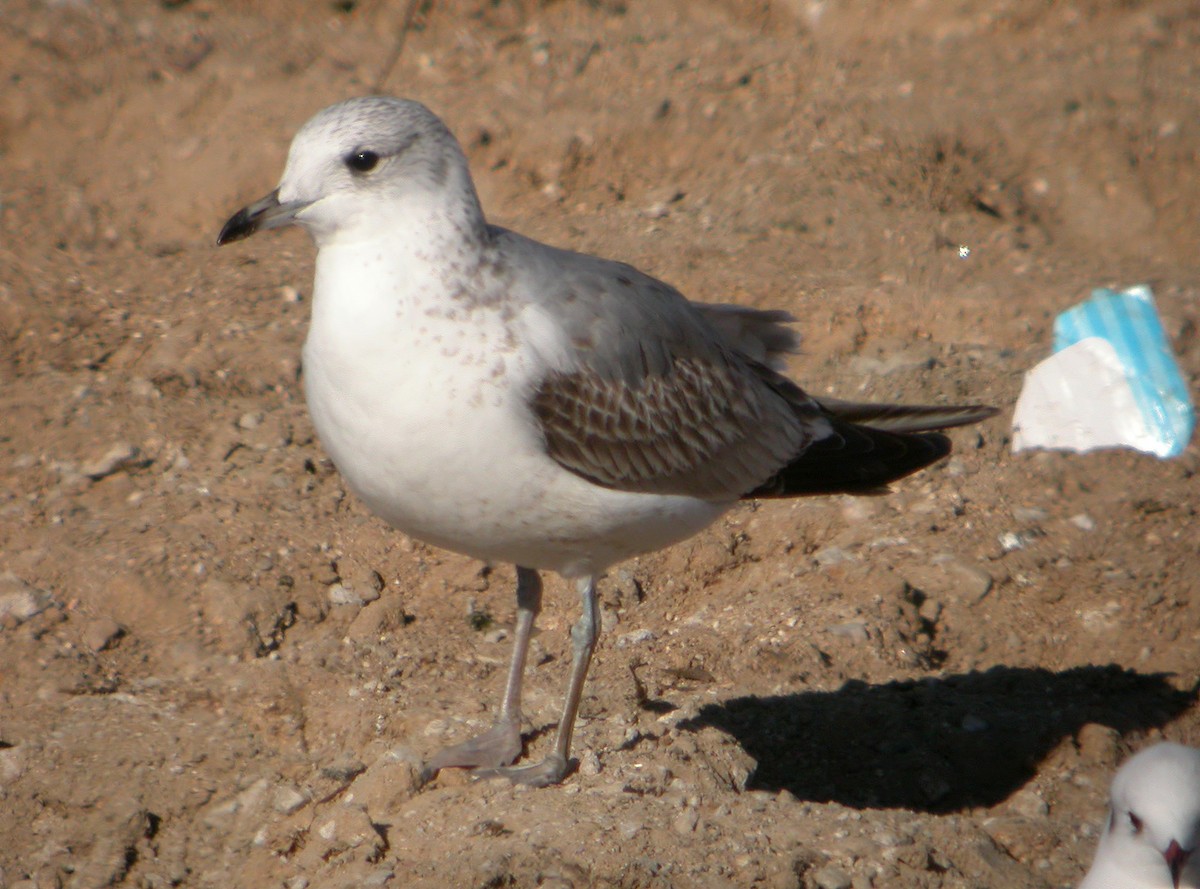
(361,165)
(1153,826)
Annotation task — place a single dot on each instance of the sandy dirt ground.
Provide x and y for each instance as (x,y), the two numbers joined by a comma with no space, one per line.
(218,670)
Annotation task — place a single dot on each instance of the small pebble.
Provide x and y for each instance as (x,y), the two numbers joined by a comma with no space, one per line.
(637,637)
(289,799)
(340,594)
(122,455)
(854,630)
(19,601)
(1010,541)
(589,764)
(101,634)
(1029,804)
(831,877)
(832,555)
(1029,515)
(1098,744)
(685,822)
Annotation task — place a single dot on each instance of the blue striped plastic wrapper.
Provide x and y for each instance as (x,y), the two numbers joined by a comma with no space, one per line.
(1129,320)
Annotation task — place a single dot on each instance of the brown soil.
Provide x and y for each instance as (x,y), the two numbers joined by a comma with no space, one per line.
(834,693)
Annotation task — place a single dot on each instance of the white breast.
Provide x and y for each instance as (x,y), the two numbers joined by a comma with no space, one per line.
(421,403)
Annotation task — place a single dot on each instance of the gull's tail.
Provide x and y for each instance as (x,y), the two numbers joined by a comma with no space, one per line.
(871,445)
(906,417)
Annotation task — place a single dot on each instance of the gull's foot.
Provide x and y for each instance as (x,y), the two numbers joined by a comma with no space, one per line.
(550,770)
(496,747)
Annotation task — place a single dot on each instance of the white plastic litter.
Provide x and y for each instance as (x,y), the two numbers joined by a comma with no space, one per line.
(1112,382)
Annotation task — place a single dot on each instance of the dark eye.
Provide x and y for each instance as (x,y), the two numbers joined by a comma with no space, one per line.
(1136,822)
(362,161)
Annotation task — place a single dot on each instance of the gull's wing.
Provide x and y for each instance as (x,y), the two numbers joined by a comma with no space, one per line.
(764,336)
(651,393)
(705,428)
(646,393)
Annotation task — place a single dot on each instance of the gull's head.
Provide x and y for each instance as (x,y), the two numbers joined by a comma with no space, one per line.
(1153,827)
(356,166)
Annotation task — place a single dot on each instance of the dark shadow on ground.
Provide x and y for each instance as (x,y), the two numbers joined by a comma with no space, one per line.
(935,745)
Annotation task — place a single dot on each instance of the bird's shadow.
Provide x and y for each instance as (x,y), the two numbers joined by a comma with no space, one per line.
(936,745)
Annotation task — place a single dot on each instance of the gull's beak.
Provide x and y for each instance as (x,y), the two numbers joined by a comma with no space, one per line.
(1177,858)
(260,216)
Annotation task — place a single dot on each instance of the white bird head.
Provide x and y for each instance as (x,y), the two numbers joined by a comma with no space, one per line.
(1153,827)
(364,164)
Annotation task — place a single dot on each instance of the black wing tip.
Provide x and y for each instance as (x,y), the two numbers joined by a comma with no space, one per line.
(856,460)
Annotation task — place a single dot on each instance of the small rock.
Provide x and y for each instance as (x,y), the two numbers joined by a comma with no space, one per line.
(139,387)
(102,633)
(589,764)
(1099,745)
(972,581)
(12,764)
(930,610)
(488,827)
(857,510)
(685,822)
(1029,515)
(1027,802)
(1010,541)
(250,420)
(637,637)
(1025,839)
(244,806)
(1083,522)
(1102,620)
(122,455)
(19,601)
(341,594)
(289,799)
(855,631)
(390,782)
(831,555)
(347,830)
(891,840)
(831,877)
(628,587)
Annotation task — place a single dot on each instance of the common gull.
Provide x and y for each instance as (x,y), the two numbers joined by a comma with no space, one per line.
(1153,827)
(519,403)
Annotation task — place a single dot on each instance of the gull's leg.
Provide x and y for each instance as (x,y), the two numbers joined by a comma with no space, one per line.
(501,744)
(553,768)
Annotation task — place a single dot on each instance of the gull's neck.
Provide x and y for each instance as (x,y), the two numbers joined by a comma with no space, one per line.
(415,252)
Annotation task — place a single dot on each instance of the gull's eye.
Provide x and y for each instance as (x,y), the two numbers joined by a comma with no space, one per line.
(363,161)
(1136,823)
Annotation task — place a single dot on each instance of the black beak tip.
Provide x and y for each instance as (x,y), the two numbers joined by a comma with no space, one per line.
(241,224)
